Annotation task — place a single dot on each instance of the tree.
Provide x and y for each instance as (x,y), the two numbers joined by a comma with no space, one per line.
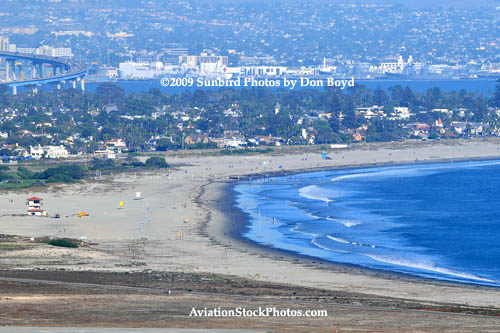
(432,98)
(496,96)
(25,172)
(326,134)
(397,94)
(109,93)
(64,173)
(380,97)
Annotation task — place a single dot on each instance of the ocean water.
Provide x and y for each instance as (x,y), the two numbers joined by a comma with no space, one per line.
(439,221)
(484,86)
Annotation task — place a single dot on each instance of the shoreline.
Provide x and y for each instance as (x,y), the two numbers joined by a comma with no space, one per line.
(227,204)
(196,201)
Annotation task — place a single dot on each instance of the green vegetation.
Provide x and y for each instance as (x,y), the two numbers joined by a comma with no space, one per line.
(23,177)
(245,151)
(8,246)
(62,243)
(61,174)
(202,119)
(156,162)
(12,178)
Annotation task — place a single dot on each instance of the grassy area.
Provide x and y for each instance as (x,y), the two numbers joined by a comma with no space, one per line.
(245,151)
(22,176)
(13,246)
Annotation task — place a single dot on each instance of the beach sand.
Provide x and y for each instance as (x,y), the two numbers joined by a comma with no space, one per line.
(187,221)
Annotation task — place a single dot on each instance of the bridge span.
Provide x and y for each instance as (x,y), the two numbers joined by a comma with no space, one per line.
(33,71)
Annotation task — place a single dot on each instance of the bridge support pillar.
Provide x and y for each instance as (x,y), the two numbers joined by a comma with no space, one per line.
(58,86)
(7,70)
(82,85)
(14,90)
(13,68)
(74,84)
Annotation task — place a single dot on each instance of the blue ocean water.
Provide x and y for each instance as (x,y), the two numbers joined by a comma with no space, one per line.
(484,86)
(438,221)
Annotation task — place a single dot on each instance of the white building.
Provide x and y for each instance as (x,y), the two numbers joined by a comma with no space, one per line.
(105,153)
(396,67)
(38,152)
(234,142)
(196,61)
(401,112)
(263,70)
(4,43)
(143,70)
(46,50)
(370,112)
(50,51)
(26,50)
(34,205)
(117,143)
(6,46)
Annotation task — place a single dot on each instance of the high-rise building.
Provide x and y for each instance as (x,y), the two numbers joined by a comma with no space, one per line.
(50,51)
(4,43)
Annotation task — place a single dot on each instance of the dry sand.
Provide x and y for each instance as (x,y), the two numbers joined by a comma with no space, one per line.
(187,202)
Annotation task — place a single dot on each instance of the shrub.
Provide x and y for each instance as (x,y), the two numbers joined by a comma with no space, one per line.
(156,162)
(24,172)
(62,243)
(67,173)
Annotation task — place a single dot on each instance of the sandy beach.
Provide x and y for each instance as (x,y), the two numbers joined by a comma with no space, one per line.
(185,222)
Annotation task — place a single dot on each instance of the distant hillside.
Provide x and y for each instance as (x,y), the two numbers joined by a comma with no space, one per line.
(438,3)
(406,3)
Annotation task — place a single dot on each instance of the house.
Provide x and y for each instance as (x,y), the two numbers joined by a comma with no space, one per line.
(471,128)
(277,108)
(105,153)
(154,140)
(419,129)
(445,111)
(401,112)
(38,152)
(111,108)
(24,133)
(235,142)
(218,141)
(195,138)
(357,136)
(374,111)
(119,144)
(34,205)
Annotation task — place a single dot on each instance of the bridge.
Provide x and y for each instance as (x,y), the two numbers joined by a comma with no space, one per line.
(40,70)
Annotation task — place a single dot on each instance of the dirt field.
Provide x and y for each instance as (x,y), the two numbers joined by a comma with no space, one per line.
(90,299)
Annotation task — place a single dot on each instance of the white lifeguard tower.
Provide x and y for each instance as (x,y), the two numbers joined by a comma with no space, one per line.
(34,205)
